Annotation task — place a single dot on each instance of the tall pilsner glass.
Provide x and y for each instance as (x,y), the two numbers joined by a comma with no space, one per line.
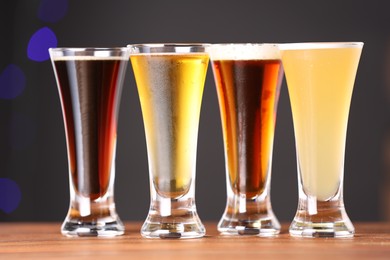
(320,78)
(170,80)
(248,79)
(90,85)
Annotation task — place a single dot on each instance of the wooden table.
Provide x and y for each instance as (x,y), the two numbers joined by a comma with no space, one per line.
(44,241)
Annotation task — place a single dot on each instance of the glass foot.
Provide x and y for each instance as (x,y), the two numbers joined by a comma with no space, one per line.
(322,229)
(172,230)
(92,229)
(173,218)
(252,216)
(260,227)
(326,219)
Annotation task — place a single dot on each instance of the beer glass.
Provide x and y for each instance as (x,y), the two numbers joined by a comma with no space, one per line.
(320,79)
(90,85)
(248,79)
(170,80)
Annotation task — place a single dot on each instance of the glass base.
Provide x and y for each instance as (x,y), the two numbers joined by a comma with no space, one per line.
(173,218)
(92,219)
(172,230)
(249,217)
(323,229)
(92,229)
(326,219)
(261,227)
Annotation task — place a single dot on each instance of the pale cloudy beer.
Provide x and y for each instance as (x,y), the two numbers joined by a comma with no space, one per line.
(320,79)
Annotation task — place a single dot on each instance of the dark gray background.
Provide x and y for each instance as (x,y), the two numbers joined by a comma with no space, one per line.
(40,168)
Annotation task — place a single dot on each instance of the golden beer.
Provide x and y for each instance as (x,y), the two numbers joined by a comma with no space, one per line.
(170,88)
(170,80)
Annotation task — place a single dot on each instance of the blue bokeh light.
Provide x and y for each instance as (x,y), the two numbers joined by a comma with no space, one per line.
(12,82)
(52,11)
(40,42)
(22,131)
(10,195)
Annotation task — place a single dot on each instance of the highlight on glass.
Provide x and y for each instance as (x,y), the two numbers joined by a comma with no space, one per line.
(248,79)
(170,80)
(90,84)
(320,79)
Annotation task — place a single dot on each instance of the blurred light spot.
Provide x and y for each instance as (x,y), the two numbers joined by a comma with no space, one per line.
(10,195)
(12,82)
(52,11)
(40,42)
(22,131)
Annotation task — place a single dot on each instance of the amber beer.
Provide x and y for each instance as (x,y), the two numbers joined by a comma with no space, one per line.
(248,95)
(248,81)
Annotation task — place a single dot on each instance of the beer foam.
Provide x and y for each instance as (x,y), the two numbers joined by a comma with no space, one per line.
(248,51)
(319,45)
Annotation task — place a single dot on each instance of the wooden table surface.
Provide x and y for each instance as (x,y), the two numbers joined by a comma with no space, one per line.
(44,241)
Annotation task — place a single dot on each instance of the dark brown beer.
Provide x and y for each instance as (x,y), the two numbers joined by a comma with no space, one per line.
(248,92)
(89,91)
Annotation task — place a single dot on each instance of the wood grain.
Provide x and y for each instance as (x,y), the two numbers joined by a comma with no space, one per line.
(44,241)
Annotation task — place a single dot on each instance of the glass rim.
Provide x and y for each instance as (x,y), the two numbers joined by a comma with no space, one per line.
(80,49)
(171,48)
(319,45)
(244,44)
(244,51)
(90,52)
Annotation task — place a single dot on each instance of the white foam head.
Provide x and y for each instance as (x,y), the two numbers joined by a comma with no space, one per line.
(246,51)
